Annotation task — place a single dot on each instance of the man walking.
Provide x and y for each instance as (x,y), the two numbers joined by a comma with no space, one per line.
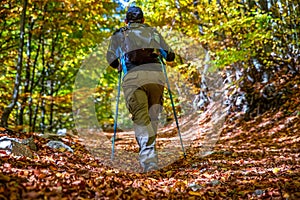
(135,50)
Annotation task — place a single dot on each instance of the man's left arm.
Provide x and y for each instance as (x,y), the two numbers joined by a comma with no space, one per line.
(113,52)
(170,55)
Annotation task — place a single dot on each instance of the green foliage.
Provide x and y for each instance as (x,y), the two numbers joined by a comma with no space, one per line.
(59,35)
(105,96)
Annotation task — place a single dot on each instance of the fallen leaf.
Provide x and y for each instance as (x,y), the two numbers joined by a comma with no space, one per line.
(276,170)
(195,193)
(4,178)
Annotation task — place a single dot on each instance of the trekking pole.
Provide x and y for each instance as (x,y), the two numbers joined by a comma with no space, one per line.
(171,98)
(116,117)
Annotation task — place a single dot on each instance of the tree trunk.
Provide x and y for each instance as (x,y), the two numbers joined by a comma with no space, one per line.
(33,83)
(51,72)
(27,79)
(31,124)
(7,111)
(43,89)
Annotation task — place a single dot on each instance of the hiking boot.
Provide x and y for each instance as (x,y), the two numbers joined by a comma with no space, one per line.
(150,167)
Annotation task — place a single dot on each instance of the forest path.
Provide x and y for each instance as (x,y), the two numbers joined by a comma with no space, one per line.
(255,159)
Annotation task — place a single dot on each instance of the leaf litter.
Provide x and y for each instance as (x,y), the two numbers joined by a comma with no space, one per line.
(256,159)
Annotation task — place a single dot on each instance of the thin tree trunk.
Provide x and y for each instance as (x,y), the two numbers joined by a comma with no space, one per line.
(7,111)
(41,96)
(51,105)
(41,101)
(27,79)
(43,110)
(35,116)
(51,72)
(31,124)
(33,83)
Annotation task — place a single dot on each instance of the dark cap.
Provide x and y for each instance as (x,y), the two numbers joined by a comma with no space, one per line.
(134,13)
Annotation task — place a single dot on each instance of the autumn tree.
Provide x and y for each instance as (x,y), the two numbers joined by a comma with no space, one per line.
(55,36)
(251,41)
(42,48)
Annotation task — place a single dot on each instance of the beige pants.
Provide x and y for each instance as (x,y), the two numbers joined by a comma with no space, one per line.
(143,91)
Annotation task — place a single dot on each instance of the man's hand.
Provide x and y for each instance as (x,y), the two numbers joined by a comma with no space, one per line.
(120,68)
(171,63)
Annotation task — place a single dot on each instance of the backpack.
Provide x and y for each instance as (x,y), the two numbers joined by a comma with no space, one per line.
(140,44)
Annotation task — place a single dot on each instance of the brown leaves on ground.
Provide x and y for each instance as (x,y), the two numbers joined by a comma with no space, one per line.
(257,159)
(254,160)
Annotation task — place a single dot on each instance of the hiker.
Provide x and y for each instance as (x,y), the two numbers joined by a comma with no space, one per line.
(135,50)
